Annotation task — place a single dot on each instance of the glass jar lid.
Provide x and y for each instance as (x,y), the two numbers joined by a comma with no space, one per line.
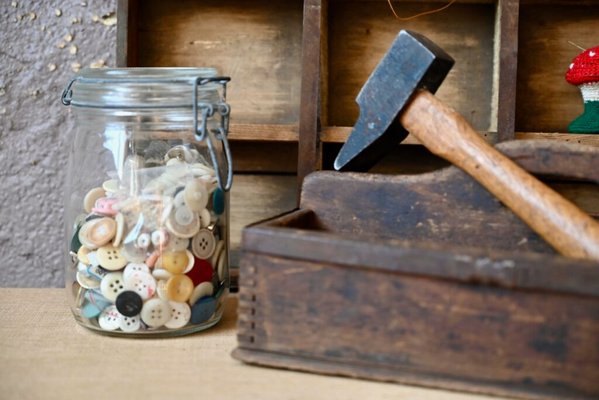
(140,88)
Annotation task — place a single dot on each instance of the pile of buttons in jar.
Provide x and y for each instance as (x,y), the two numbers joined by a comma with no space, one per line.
(151,254)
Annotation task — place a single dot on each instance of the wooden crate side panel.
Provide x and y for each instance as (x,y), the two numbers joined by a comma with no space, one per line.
(489,337)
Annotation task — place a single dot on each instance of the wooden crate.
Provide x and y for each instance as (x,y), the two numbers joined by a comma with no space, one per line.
(296,67)
(425,280)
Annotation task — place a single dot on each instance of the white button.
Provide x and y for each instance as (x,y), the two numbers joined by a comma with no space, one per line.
(190,262)
(129,324)
(109,318)
(221,267)
(161,290)
(135,267)
(196,195)
(183,223)
(161,274)
(120,229)
(180,315)
(142,283)
(219,249)
(203,244)
(205,218)
(183,215)
(111,186)
(179,200)
(87,281)
(143,241)
(155,313)
(112,284)
(159,238)
(202,290)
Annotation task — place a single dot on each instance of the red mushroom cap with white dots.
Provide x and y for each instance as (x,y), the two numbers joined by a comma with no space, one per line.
(584,67)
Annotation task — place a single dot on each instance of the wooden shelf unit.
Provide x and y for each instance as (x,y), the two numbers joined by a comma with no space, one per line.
(297,66)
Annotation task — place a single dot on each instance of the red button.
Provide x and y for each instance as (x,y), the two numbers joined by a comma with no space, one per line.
(201,272)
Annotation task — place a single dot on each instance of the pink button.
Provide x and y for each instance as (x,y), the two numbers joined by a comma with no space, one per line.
(104,206)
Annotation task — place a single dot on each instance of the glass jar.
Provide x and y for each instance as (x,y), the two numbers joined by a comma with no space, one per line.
(147,211)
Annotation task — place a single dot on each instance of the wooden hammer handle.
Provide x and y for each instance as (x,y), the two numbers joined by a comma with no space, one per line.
(447,134)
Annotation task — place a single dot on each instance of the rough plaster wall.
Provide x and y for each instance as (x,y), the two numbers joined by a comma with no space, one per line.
(36,129)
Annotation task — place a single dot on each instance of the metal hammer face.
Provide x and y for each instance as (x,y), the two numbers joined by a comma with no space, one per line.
(413,62)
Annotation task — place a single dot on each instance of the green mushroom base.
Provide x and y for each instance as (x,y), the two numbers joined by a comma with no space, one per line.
(588,122)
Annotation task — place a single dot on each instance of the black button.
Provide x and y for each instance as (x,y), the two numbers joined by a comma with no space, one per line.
(129,303)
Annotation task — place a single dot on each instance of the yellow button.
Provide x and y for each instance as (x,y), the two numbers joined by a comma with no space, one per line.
(175,262)
(111,258)
(179,288)
(82,255)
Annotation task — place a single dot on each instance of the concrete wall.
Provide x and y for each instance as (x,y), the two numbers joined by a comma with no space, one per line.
(42,45)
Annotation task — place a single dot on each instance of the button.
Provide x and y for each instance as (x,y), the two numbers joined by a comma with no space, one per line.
(129,324)
(180,315)
(179,288)
(196,195)
(142,283)
(205,218)
(111,186)
(179,200)
(183,222)
(104,206)
(82,236)
(132,253)
(112,284)
(100,231)
(143,241)
(175,262)
(129,303)
(90,310)
(201,272)
(82,255)
(218,201)
(161,290)
(91,197)
(222,266)
(202,290)
(87,281)
(219,249)
(97,299)
(111,258)
(203,310)
(155,313)
(203,244)
(135,267)
(161,274)
(176,243)
(190,261)
(159,238)
(109,319)
(120,229)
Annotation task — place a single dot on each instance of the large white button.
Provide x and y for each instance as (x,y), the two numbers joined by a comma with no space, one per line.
(135,267)
(111,258)
(180,315)
(112,284)
(196,195)
(109,318)
(155,313)
(129,324)
(183,222)
(142,283)
(202,290)
(203,244)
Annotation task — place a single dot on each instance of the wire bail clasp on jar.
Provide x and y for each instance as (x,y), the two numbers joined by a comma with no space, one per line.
(201,131)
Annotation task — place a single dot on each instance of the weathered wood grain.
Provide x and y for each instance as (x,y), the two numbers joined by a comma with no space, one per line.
(563,225)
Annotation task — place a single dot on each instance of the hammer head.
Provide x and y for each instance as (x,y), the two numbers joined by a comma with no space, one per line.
(413,62)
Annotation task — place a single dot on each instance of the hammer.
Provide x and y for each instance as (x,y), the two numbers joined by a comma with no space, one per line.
(397,99)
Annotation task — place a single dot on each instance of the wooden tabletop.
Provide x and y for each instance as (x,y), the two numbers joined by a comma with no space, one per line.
(44,354)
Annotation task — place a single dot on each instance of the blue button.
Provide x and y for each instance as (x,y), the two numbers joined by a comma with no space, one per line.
(218,201)
(202,310)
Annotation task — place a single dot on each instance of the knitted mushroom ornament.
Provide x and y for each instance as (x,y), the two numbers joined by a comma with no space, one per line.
(584,73)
